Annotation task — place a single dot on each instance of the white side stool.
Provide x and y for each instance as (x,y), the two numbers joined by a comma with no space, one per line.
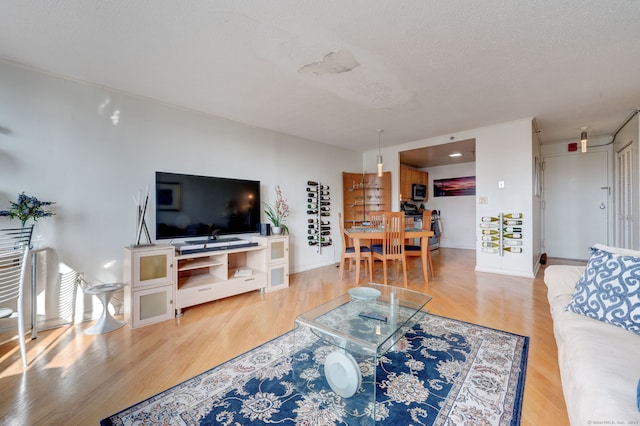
(106,322)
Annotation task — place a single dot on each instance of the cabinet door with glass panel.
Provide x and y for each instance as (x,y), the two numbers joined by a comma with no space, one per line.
(277,261)
(149,295)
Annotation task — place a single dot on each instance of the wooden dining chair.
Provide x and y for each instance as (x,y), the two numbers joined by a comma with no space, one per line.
(412,250)
(375,221)
(392,247)
(349,252)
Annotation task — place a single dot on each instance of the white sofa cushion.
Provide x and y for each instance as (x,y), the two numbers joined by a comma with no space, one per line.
(609,290)
(598,361)
(561,280)
(599,369)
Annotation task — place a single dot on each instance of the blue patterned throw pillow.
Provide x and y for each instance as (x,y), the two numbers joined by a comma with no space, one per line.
(609,290)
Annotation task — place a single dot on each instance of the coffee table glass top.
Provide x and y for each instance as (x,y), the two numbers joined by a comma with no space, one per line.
(363,323)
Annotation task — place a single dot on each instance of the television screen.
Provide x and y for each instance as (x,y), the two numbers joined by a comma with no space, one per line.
(202,206)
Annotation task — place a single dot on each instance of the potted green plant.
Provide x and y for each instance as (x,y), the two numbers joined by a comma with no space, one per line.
(278,213)
(27,208)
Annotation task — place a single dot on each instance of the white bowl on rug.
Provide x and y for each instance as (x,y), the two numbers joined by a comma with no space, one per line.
(343,373)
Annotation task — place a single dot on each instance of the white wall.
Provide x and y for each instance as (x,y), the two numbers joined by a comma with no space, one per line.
(457,213)
(59,144)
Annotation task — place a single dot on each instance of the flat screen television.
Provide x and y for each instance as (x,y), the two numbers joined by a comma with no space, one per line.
(203,206)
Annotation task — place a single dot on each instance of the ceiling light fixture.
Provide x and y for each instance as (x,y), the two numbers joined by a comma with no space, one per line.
(455,154)
(583,139)
(379,159)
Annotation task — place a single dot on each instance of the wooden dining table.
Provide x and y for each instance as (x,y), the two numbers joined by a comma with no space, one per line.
(359,233)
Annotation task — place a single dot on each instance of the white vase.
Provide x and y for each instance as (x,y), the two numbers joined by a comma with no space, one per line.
(276,230)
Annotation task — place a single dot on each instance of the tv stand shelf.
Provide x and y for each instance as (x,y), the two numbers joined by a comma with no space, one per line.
(210,275)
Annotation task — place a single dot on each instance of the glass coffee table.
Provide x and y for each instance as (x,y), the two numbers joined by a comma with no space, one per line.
(337,345)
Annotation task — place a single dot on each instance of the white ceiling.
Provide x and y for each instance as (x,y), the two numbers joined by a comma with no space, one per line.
(336,71)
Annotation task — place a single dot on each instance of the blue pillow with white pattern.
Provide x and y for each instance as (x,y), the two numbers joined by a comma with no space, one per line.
(609,290)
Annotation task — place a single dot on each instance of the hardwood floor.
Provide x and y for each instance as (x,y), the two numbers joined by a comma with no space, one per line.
(77,379)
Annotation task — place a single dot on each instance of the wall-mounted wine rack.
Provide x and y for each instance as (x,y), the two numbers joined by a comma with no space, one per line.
(319,211)
(502,233)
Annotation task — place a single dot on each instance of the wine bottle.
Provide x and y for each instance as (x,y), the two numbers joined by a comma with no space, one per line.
(312,231)
(325,222)
(312,211)
(512,229)
(325,228)
(324,187)
(489,244)
(490,238)
(313,243)
(490,250)
(325,198)
(512,222)
(512,216)
(489,225)
(324,192)
(311,194)
(325,209)
(490,232)
(312,220)
(325,232)
(513,249)
(311,237)
(312,183)
(325,203)
(489,219)
(514,235)
(325,244)
(312,206)
(312,226)
(325,214)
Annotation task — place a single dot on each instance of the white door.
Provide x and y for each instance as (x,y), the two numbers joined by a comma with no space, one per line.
(576,203)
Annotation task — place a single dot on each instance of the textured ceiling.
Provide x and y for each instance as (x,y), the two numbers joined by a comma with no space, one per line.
(335,71)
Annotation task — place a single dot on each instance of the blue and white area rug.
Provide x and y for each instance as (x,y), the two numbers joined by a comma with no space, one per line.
(445,372)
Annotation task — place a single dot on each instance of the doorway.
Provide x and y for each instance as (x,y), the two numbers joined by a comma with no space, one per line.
(576,196)
(457,214)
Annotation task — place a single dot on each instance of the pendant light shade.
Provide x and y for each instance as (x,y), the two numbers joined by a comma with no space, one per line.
(379,158)
(583,141)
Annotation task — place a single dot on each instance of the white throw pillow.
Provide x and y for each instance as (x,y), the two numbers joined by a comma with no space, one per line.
(609,290)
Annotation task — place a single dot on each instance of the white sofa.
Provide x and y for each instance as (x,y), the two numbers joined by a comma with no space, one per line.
(599,362)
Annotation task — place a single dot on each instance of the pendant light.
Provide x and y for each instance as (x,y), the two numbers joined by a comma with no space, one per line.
(379,159)
(583,139)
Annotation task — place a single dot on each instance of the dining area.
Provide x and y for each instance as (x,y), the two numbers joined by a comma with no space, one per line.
(386,237)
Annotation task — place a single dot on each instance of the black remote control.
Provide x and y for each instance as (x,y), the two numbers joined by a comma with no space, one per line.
(373,315)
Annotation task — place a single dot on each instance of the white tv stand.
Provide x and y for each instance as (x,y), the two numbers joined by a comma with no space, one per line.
(205,276)
(161,282)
